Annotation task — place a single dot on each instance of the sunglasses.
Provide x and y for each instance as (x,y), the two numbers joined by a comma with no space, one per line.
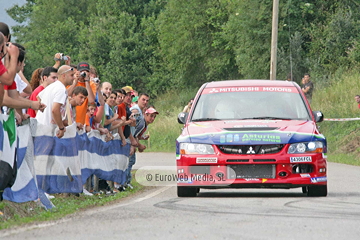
(70,69)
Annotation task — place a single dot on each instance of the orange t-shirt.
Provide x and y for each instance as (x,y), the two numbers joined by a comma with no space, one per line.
(82,109)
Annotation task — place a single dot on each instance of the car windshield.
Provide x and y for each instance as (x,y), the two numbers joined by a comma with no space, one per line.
(250,105)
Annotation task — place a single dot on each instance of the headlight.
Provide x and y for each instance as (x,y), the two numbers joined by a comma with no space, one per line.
(195,148)
(306,147)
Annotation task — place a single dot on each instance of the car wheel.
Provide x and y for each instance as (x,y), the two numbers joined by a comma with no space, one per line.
(317,191)
(187,191)
(304,189)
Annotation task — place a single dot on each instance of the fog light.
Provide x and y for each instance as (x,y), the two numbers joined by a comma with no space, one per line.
(322,170)
(282,174)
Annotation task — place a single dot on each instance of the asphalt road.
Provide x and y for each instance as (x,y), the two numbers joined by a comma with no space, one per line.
(216,214)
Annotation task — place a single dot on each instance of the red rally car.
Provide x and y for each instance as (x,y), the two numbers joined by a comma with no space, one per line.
(251,134)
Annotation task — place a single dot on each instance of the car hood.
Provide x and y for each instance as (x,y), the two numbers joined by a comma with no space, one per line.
(249,132)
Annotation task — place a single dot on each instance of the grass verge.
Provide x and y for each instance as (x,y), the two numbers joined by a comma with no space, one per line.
(17,214)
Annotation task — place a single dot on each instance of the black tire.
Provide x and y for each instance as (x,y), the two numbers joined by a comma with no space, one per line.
(317,191)
(187,191)
(304,189)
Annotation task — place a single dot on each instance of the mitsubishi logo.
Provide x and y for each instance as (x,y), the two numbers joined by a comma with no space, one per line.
(250,151)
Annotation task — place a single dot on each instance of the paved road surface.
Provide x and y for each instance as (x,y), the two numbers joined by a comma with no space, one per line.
(217,214)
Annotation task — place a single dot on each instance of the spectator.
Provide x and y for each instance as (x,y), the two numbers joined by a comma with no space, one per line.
(308,87)
(48,76)
(134,101)
(22,84)
(188,106)
(137,110)
(357,99)
(60,57)
(106,88)
(77,98)
(111,117)
(82,78)
(36,78)
(129,121)
(141,127)
(55,97)
(12,97)
(7,74)
(91,123)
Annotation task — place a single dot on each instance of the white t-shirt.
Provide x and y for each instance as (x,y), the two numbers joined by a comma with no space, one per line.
(55,92)
(20,84)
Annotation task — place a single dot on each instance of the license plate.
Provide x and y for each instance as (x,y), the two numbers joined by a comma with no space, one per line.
(300,159)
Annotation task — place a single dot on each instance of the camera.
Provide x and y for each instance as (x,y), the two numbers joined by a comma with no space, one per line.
(62,57)
(83,74)
(136,115)
(96,80)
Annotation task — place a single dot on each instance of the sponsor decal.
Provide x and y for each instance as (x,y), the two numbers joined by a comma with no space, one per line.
(222,138)
(319,179)
(229,138)
(304,175)
(263,180)
(236,138)
(249,89)
(206,160)
(251,179)
(261,138)
(300,159)
(178,156)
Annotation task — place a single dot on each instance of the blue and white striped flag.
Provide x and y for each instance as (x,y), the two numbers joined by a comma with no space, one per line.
(107,160)
(57,162)
(25,187)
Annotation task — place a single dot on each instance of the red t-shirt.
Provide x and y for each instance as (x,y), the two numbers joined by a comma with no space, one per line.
(33,96)
(121,112)
(11,87)
(2,68)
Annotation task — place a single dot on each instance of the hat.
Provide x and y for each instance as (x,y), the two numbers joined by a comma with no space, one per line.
(151,110)
(128,89)
(83,66)
(135,99)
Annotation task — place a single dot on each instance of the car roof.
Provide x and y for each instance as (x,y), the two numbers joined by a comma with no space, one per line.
(252,83)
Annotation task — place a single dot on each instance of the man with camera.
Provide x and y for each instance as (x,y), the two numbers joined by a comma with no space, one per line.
(7,74)
(82,79)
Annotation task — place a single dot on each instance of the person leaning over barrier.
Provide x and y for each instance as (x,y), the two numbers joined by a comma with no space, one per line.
(77,98)
(12,98)
(7,74)
(54,96)
(48,76)
(83,79)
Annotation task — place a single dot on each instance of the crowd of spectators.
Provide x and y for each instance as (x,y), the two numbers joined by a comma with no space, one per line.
(73,93)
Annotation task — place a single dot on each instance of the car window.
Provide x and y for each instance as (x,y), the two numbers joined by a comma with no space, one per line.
(250,105)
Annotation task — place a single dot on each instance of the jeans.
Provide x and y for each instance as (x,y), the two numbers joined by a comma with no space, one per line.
(132,161)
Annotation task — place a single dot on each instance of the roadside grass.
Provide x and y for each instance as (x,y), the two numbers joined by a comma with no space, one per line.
(336,100)
(16,214)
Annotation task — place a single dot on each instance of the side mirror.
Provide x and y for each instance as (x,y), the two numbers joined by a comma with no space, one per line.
(182,117)
(319,117)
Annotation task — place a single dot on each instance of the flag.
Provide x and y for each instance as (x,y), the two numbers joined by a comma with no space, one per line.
(25,187)
(8,167)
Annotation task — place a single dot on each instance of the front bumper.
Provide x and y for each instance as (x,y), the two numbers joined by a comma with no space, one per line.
(251,171)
